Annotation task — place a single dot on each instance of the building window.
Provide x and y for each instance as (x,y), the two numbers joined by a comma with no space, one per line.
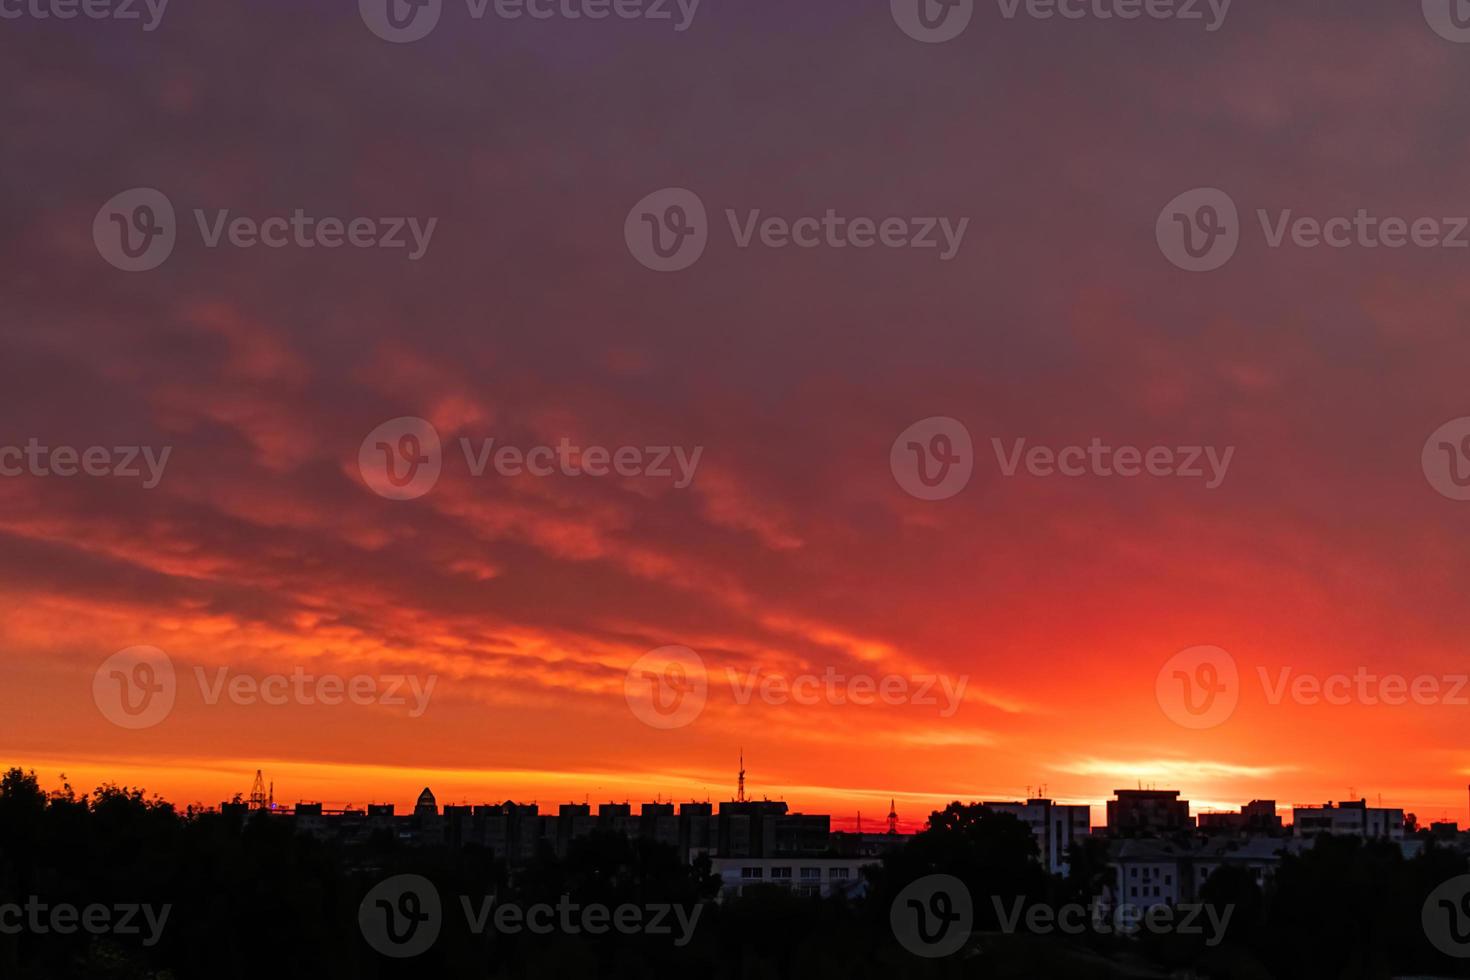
(811,872)
(781,873)
(837,873)
(1133,872)
(1134,891)
(752,872)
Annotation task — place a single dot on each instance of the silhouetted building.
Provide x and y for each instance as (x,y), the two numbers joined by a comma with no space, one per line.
(1256,817)
(426,806)
(1147,812)
(618,818)
(697,829)
(1056,827)
(1350,818)
(805,876)
(657,821)
(1149,872)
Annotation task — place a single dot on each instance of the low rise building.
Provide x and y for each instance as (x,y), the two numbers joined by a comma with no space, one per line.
(1349,818)
(815,876)
(1256,817)
(1148,813)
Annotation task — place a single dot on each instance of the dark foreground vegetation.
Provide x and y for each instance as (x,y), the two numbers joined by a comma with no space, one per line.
(252,898)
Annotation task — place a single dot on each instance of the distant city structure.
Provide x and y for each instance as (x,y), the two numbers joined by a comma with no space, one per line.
(1354,817)
(1159,854)
(1146,812)
(1055,826)
(1256,817)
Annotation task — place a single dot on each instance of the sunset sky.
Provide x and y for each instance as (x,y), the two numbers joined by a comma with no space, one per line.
(794,549)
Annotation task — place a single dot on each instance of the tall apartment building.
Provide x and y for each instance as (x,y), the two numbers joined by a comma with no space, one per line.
(1056,827)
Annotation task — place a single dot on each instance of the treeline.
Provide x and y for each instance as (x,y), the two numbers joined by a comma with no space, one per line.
(251,898)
